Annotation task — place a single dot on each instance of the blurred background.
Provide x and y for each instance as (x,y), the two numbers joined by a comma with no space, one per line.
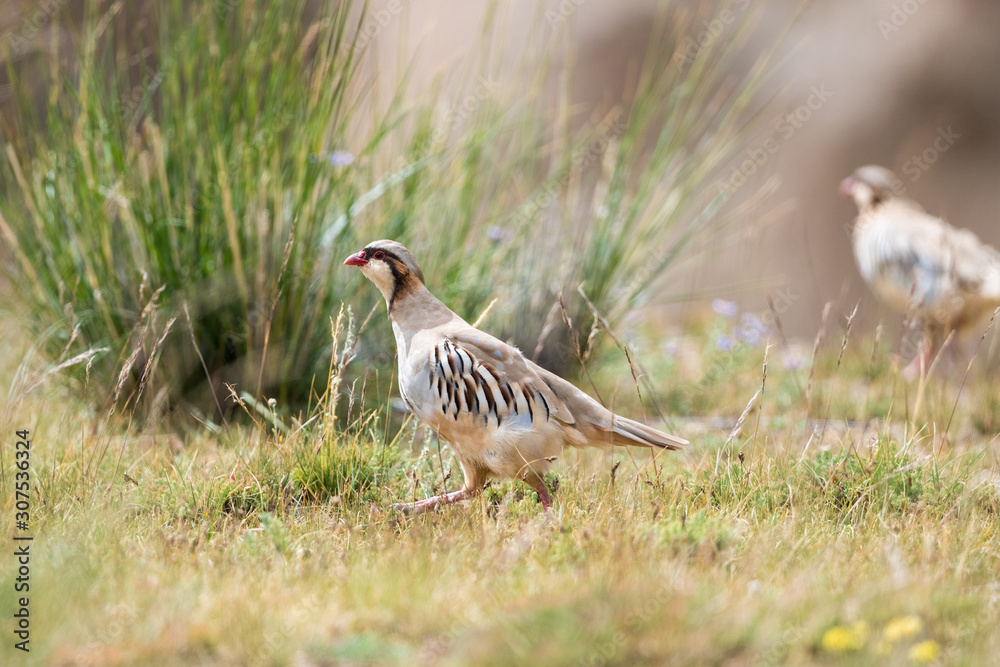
(899,75)
(800,94)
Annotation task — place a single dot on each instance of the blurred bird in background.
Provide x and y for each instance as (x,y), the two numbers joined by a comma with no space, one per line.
(945,278)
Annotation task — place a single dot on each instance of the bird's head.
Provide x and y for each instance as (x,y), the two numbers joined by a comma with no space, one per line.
(390,266)
(871,185)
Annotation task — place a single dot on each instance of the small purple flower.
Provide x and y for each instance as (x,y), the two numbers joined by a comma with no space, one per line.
(748,335)
(752,321)
(725,308)
(495,233)
(751,329)
(724,343)
(794,360)
(341,158)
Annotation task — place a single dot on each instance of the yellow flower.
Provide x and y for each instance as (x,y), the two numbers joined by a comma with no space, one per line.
(925,652)
(841,638)
(902,628)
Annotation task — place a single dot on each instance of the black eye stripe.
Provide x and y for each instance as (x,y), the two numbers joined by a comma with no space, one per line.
(369,252)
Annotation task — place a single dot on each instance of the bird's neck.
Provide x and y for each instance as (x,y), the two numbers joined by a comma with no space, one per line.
(868,202)
(888,206)
(417,310)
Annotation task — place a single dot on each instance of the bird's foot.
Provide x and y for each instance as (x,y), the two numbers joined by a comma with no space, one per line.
(427,504)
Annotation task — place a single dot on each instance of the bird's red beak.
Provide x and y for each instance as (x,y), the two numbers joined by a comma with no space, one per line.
(847,187)
(357,259)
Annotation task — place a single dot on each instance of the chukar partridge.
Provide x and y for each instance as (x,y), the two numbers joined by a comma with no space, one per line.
(915,262)
(504,416)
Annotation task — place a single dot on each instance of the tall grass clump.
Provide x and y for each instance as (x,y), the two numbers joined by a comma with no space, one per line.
(185,166)
(190,197)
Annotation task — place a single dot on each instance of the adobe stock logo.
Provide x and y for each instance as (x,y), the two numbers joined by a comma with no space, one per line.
(900,16)
(454,115)
(374,23)
(42,14)
(785,128)
(565,10)
(917,165)
(710,35)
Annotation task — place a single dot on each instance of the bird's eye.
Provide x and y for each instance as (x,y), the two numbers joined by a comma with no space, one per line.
(378,254)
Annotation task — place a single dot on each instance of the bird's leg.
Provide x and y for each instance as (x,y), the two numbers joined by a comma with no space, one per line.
(544,496)
(474,481)
(917,368)
(537,482)
(433,502)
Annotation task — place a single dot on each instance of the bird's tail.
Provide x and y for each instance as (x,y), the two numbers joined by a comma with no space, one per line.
(628,432)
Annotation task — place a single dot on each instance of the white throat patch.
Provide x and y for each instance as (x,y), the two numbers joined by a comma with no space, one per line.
(381,275)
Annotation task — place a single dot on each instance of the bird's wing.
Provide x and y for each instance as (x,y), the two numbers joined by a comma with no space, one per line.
(508,373)
(922,256)
(976,265)
(501,371)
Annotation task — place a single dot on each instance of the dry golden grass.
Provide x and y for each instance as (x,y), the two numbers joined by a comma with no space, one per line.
(873,544)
